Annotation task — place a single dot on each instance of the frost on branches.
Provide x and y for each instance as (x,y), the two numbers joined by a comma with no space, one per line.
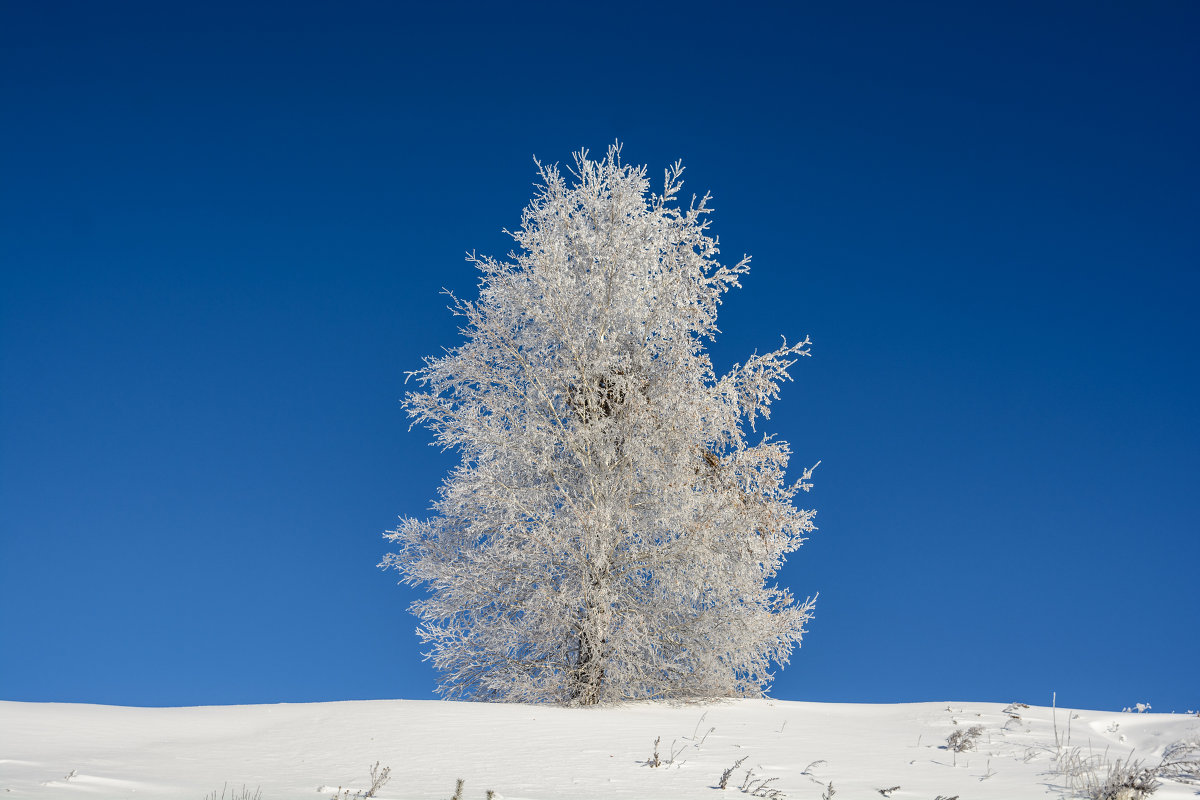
(614,525)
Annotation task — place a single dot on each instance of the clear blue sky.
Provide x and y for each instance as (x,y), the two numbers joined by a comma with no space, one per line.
(223,229)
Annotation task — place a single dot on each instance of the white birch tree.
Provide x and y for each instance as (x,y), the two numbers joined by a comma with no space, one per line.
(612,530)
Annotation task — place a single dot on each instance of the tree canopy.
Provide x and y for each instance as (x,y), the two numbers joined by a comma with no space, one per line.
(613,527)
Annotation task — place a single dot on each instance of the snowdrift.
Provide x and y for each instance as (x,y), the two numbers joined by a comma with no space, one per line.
(293,751)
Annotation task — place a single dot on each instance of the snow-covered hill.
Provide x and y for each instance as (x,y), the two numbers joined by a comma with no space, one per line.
(520,751)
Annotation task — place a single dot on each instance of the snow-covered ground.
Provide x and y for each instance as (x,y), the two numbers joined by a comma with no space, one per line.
(297,751)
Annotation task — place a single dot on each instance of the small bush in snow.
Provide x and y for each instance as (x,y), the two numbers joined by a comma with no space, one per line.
(1125,780)
(236,794)
(761,787)
(724,782)
(378,778)
(1181,761)
(1129,779)
(654,760)
(962,740)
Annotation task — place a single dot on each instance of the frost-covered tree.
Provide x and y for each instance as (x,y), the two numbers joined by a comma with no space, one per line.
(611,531)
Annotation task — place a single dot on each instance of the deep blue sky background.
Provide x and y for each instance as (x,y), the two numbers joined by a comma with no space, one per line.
(223,230)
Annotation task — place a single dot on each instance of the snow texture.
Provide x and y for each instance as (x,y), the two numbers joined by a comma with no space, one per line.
(539,752)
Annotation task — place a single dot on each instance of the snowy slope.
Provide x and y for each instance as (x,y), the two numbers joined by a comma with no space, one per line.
(520,751)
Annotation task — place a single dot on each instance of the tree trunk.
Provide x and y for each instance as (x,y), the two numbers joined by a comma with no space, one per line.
(593,643)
